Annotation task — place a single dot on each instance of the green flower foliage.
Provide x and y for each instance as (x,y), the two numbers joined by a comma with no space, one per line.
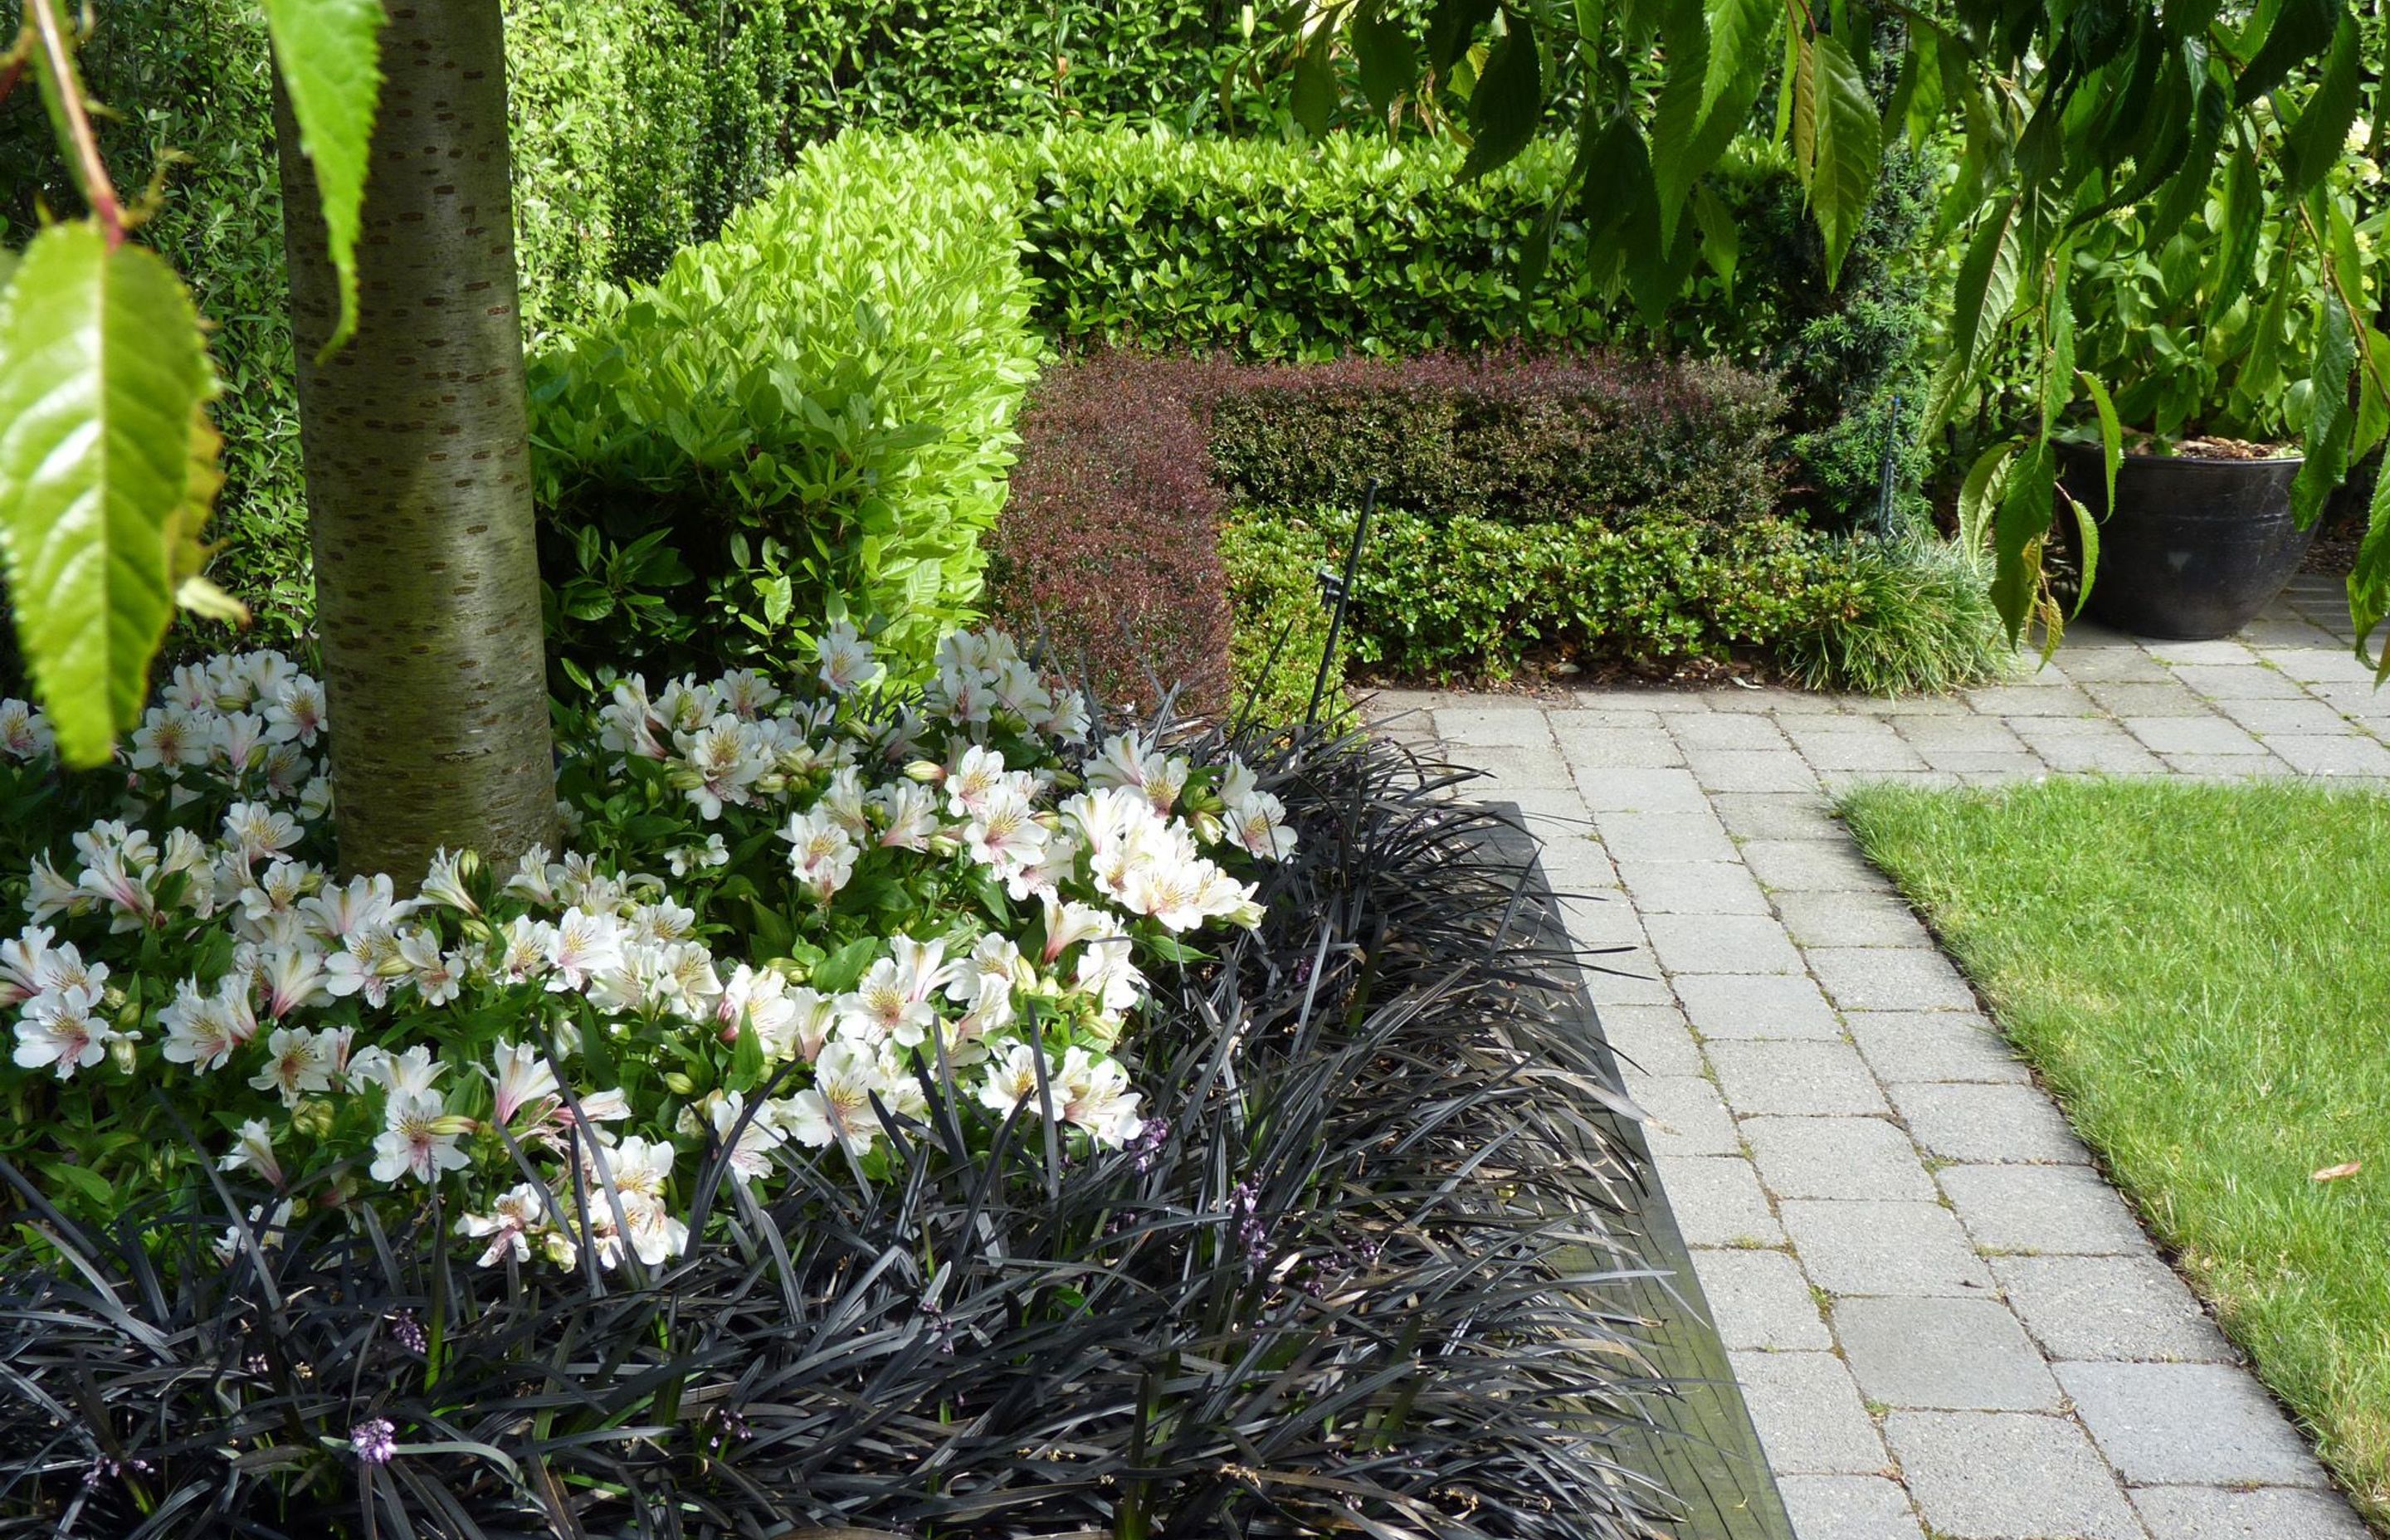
(814,410)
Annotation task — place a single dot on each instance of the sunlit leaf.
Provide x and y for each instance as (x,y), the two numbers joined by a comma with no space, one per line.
(2317,141)
(2330,425)
(328,53)
(1507,102)
(1845,146)
(103,372)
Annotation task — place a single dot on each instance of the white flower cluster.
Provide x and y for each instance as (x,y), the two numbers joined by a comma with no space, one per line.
(447,1035)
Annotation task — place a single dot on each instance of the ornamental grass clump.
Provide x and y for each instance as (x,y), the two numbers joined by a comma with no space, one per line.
(1329,1251)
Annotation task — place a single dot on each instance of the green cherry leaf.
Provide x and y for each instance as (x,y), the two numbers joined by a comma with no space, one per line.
(106,463)
(330,55)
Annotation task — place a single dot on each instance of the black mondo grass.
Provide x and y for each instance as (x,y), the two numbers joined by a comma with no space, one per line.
(1356,1278)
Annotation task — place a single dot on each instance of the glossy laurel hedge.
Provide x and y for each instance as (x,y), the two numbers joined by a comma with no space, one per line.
(812,415)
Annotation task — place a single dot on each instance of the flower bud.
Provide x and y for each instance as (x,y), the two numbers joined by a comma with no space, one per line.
(120,1053)
(313,1117)
(679,1083)
(927,772)
(454,1126)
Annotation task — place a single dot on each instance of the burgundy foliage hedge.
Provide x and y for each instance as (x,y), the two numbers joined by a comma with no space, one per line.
(1128,461)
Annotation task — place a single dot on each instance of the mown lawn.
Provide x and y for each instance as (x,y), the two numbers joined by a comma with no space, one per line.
(2202,975)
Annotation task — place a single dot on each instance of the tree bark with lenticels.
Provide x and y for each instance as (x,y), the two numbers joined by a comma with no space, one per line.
(418,450)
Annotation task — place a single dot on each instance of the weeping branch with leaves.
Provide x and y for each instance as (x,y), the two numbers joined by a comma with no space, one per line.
(2067,115)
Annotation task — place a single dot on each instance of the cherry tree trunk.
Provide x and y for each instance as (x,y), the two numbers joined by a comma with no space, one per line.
(419,483)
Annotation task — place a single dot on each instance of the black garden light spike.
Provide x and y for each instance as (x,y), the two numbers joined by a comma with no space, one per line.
(1342,593)
(1887,475)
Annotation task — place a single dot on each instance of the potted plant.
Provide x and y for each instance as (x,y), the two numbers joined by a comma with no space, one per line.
(2206,353)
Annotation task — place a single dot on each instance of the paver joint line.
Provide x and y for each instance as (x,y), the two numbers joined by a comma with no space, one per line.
(1900,1237)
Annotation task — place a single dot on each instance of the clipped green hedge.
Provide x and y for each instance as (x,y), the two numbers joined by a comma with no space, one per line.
(1520,441)
(1470,597)
(812,414)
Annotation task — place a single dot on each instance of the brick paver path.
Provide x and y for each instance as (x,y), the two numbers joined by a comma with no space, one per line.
(1945,1323)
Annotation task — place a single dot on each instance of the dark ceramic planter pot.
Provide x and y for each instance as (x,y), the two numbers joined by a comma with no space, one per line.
(2193,548)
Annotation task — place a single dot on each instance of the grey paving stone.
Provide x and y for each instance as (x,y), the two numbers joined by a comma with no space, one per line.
(1889,977)
(2334,665)
(1837,1158)
(2331,756)
(2123,1307)
(1683,1116)
(1693,888)
(1751,770)
(2237,767)
(1665,837)
(1603,697)
(2163,1424)
(1655,1038)
(1603,922)
(1848,1507)
(1508,768)
(1618,748)
(1777,816)
(2008,1476)
(1870,1246)
(2221,1513)
(1808,1413)
(1812,866)
(1718,1201)
(1757,1004)
(2116,753)
(1722,944)
(1565,720)
(1794,1079)
(2109,665)
(1991,1123)
(1850,920)
(1898,707)
(2192,735)
(2239,681)
(1943,1354)
(2223,650)
(2049,694)
(1613,981)
(1669,791)
(1483,726)
(1984,767)
(1843,731)
(1760,1299)
(1976,734)
(2141,699)
(1839,783)
(2051,1210)
(1923,1047)
(1736,731)
(2300,714)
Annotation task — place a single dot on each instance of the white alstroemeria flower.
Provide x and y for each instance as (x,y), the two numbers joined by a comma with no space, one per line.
(823,860)
(1095,1096)
(520,1212)
(522,950)
(60,1032)
(294,978)
(1068,922)
(721,762)
(721,1111)
(847,664)
(1005,836)
(1011,1082)
(239,744)
(21,963)
(258,830)
(1131,760)
(837,1108)
(367,964)
(295,712)
(976,776)
(534,878)
(909,812)
(202,1029)
(168,738)
(520,1078)
(638,1167)
(843,803)
(746,693)
(297,1065)
(49,893)
(437,976)
(585,944)
(1256,820)
(656,1236)
(253,1151)
(24,732)
(444,882)
(418,1140)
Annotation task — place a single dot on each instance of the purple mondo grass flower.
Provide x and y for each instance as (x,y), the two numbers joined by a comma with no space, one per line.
(407,1331)
(1252,1235)
(1145,1149)
(375,1440)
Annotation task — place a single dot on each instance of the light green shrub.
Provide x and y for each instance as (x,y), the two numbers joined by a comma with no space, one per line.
(1919,617)
(818,407)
